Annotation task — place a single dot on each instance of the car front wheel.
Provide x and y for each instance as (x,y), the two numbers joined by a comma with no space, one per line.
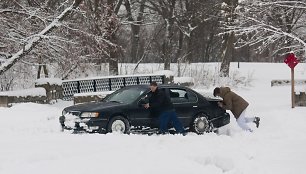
(201,124)
(119,124)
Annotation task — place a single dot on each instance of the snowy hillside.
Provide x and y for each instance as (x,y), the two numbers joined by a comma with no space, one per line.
(31,141)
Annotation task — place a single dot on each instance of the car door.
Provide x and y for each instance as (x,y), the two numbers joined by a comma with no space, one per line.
(185,104)
(141,116)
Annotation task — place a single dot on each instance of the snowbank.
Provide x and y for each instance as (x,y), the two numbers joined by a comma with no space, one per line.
(25,92)
(32,143)
(50,81)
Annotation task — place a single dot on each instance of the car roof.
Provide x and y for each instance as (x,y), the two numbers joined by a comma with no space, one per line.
(146,87)
(160,85)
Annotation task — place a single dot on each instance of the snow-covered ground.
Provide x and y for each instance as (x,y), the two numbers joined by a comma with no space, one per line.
(31,141)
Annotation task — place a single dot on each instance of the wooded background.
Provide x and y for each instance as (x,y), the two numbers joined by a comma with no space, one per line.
(38,35)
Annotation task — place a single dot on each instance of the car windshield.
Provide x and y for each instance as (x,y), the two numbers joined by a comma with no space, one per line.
(125,96)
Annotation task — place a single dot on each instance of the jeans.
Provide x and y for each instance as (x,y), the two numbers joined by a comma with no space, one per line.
(242,121)
(170,117)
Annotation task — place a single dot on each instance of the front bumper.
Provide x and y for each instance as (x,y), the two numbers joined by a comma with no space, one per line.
(71,122)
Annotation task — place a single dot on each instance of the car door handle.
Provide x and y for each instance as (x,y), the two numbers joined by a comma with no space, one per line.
(195,106)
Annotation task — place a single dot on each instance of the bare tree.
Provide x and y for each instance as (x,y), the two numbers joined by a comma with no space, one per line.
(32,41)
(264,23)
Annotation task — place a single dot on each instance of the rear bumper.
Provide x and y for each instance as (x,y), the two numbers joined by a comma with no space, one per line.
(83,124)
(221,120)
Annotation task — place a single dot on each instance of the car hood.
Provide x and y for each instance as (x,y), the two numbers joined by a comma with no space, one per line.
(93,107)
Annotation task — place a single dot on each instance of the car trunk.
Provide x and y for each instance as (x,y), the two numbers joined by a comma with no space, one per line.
(218,111)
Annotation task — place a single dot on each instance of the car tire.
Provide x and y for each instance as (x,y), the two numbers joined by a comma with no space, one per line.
(119,124)
(201,125)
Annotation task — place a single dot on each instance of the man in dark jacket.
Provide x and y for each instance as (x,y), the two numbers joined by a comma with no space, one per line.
(161,105)
(237,105)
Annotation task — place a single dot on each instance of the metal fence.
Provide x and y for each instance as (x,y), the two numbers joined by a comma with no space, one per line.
(71,87)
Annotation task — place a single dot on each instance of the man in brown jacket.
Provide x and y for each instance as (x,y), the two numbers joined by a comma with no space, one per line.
(237,105)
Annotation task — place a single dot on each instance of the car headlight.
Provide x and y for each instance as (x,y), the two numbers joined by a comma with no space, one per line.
(64,112)
(90,114)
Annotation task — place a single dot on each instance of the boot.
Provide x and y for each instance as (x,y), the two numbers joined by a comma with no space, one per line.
(256,121)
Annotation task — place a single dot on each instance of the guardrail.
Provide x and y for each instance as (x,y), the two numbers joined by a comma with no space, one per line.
(286,82)
(112,83)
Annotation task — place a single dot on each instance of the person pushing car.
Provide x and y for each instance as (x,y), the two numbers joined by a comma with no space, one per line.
(237,105)
(160,104)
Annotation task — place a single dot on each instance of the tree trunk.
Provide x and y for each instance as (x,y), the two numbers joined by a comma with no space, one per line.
(45,71)
(227,54)
(228,48)
(208,47)
(38,72)
(135,28)
(113,63)
(189,49)
(111,36)
(167,43)
(134,43)
(179,53)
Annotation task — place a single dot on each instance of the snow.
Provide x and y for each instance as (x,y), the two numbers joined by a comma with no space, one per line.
(51,81)
(119,76)
(183,79)
(31,40)
(167,73)
(25,92)
(31,141)
(299,88)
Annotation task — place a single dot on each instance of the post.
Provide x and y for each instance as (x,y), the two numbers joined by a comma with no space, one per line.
(292,88)
(3,101)
(124,82)
(78,87)
(110,84)
(292,61)
(95,85)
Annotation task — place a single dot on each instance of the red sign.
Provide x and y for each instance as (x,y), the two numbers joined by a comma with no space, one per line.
(291,60)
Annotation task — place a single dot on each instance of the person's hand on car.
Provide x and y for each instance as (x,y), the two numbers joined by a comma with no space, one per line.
(220,104)
(147,105)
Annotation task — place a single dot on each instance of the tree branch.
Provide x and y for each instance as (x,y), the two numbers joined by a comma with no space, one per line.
(30,44)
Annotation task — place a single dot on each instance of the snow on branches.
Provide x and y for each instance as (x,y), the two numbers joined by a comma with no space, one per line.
(31,41)
(278,23)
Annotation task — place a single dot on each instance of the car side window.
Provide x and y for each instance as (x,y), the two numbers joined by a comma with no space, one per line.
(178,95)
(192,97)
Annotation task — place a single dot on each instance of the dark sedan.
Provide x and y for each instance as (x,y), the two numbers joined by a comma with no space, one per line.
(123,111)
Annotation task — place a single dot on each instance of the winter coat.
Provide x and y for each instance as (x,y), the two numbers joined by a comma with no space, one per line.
(159,102)
(232,101)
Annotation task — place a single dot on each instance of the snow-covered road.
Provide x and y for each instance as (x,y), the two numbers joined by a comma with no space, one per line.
(31,142)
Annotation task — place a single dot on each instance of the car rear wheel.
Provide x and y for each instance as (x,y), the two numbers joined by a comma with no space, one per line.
(119,124)
(201,125)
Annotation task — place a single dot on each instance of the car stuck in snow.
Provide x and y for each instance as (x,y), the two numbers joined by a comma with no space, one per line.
(123,111)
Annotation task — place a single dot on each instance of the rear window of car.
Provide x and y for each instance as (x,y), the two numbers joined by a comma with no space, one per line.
(178,95)
(182,96)
(192,97)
